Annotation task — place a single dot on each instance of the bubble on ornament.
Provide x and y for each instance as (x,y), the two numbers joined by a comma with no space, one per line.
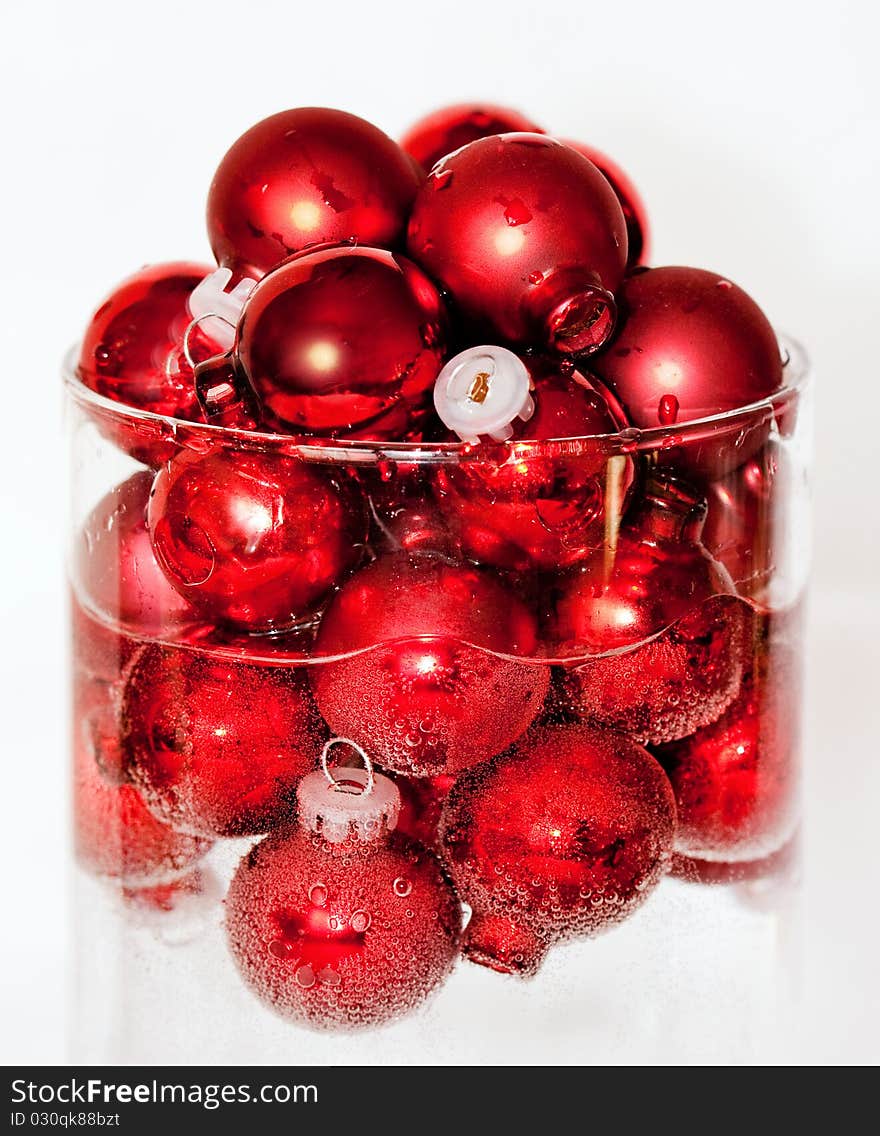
(305,977)
(360,921)
(318,894)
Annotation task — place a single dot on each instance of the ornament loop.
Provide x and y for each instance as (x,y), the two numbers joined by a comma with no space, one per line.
(193,324)
(368,766)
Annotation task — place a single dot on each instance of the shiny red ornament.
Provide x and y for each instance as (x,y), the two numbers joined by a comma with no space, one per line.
(132,353)
(255,540)
(634,211)
(669,612)
(527,237)
(215,746)
(117,570)
(516,506)
(736,780)
(427,694)
(559,839)
(341,935)
(115,834)
(450,128)
(691,344)
(305,177)
(342,341)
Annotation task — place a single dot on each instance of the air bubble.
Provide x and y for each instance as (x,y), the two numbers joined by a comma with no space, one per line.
(305,977)
(318,894)
(402,887)
(360,921)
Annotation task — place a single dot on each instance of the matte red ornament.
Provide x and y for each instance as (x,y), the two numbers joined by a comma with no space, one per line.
(305,177)
(670,614)
(691,344)
(115,834)
(132,352)
(341,935)
(528,238)
(216,746)
(427,694)
(342,341)
(117,571)
(634,211)
(253,539)
(450,128)
(736,780)
(559,839)
(516,506)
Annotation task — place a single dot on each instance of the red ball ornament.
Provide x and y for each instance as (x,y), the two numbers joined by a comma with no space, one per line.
(342,925)
(341,341)
(670,614)
(132,352)
(559,839)
(528,238)
(253,539)
(427,694)
(736,780)
(305,177)
(692,344)
(520,507)
(115,834)
(116,568)
(216,746)
(634,211)
(450,128)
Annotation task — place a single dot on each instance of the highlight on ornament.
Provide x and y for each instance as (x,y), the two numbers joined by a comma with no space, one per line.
(446,551)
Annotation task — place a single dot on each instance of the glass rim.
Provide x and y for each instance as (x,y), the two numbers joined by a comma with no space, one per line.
(631,439)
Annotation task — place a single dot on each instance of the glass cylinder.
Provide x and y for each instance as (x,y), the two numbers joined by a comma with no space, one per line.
(579,661)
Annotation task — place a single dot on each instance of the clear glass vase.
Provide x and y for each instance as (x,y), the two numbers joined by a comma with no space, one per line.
(445,604)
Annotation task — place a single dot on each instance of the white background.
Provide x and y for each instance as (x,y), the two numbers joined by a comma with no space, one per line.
(752,130)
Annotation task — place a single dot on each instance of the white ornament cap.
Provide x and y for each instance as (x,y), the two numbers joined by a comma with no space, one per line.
(482,391)
(217,311)
(348,802)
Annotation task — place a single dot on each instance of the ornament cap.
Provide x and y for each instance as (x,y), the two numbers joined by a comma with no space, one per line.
(482,391)
(582,322)
(349,803)
(218,310)
(223,397)
(672,508)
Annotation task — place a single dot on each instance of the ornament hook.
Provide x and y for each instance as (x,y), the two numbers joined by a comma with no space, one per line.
(193,324)
(338,786)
